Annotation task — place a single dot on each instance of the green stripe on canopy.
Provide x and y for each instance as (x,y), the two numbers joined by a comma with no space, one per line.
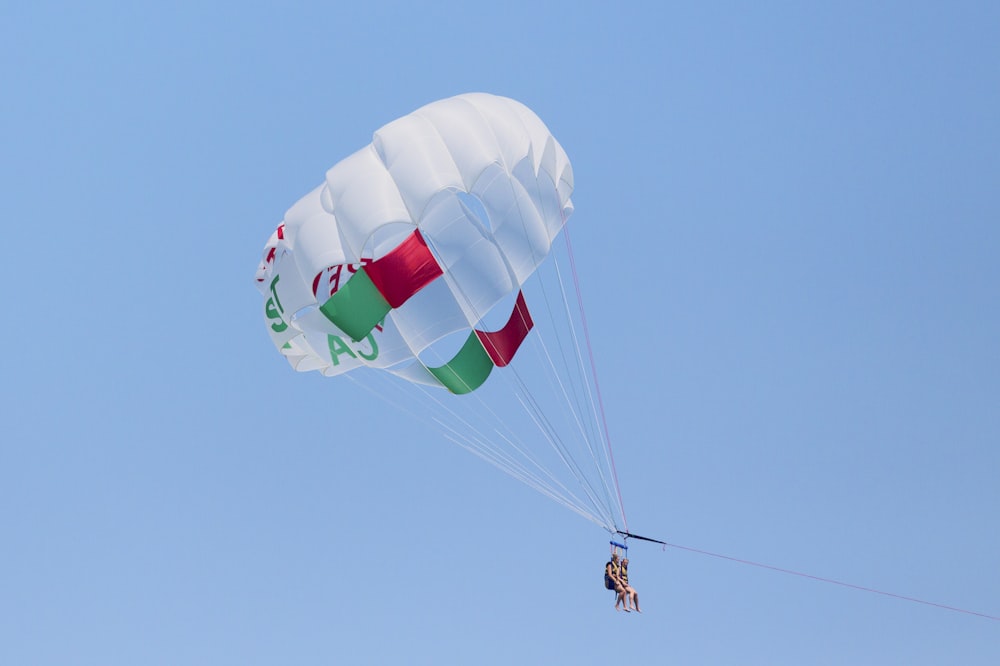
(468,370)
(357,307)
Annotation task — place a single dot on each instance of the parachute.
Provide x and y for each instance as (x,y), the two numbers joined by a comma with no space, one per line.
(424,268)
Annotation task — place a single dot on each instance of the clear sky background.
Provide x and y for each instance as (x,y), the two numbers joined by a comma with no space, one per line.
(787,229)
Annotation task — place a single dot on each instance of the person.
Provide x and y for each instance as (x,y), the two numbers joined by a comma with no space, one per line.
(630,593)
(613,581)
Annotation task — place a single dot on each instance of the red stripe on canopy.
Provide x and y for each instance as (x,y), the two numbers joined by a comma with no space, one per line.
(503,344)
(407,269)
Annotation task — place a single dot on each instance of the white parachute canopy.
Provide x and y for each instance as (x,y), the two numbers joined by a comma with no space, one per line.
(423,257)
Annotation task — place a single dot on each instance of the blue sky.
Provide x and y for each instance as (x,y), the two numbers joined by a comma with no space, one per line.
(788,235)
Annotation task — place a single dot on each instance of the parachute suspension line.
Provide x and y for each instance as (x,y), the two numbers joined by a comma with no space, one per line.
(549,490)
(581,367)
(501,458)
(545,427)
(532,408)
(578,411)
(593,368)
(576,508)
(602,520)
(534,411)
(482,446)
